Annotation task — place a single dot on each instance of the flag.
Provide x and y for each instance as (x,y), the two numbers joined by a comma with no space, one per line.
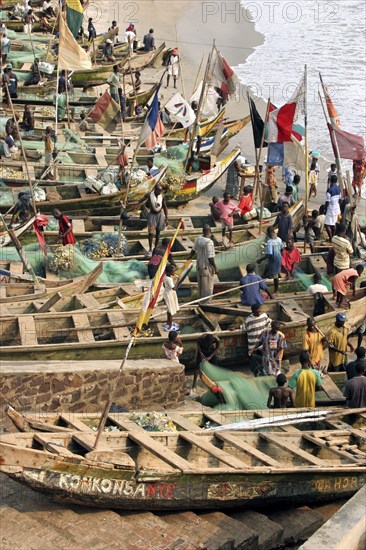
(257,125)
(71,57)
(350,146)
(287,153)
(180,110)
(105,110)
(332,111)
(153,127)
(221,74)
(280,124)
(74,16)
(209,107)
(153,292)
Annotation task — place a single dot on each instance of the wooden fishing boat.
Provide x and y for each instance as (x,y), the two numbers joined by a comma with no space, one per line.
(79,198)
(104,335)
(19,229)
(18,25)
(10,4)
(138,470)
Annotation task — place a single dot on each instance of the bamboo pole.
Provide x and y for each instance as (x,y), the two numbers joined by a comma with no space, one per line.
(180,63)
(198,74)
(306,145)
(257,168)
(22,148)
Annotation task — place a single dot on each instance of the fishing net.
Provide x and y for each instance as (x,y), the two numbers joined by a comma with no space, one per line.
(69,262)
(307,280)
(104,245)
(154,422)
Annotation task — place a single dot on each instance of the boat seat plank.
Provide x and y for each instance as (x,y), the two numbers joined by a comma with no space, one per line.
(82,192)
(16,268)
(115,318)
(27,331)
(159,450)
(87,300)
(50,445)
(182,421)
(107,229)
(215,417)
(187,243)
(209,448)
(336,425)
(331,389)
(188,222)
(144,243)
(249,449)
(47,306)
(81,321)
(333,450)
(87,440)
(78,226)
(291,308)
(74,422)
(287,446)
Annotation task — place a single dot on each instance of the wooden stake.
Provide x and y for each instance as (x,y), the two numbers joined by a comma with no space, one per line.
(180,63)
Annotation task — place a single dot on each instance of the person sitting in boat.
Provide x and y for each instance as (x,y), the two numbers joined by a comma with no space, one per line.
(29,20)
(246,204)
(306,381)
(274,343)
(252,285)
(65,228)
(45,25)
(286,197)
(338,342)
(157,217)
(113,32)
(83,124)
(281,395)
(360,360)
(170,298)
(149,41)
(291,257)
(108,51)
(28,120)
(313,342)
(48,10)
(317,290)
(157,256)
(137,81)
(151,169)
(21,209)
(35,76)
(355,390)
(10,84)
(343,280)
(215,212)
(173,348)
(208,346)
(227,209)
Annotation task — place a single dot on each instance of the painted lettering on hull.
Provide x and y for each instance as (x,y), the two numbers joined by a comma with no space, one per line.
(234,491)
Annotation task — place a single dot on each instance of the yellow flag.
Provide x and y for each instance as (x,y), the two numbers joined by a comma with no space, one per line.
(71,57)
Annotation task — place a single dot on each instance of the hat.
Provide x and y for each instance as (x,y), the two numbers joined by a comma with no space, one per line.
(108,41)
(341,317)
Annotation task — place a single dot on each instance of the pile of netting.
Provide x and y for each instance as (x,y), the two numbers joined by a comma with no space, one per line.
(154,422)
(69,262)
(103,245)
(174,158)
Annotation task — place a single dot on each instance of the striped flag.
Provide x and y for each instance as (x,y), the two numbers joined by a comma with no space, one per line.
(332,111)
(152,294)
(280,124)
(221,74)
(74,16)
(153,128)
(105,110)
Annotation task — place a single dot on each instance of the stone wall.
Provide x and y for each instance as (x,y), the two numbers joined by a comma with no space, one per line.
(84,386)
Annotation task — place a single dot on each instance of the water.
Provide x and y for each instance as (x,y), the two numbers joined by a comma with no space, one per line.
(327,36)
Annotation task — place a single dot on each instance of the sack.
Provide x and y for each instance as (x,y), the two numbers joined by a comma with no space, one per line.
(47,68)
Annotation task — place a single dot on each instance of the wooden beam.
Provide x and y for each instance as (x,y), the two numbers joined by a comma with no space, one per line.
(87,440)
(284,443)
(81,320)
(52,446)
(334,450)
(221,455)
(182,421)
(248,448)
(48,304)
(27,331)
(74,423)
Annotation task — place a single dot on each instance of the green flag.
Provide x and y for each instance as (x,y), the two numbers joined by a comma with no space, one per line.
(74,16)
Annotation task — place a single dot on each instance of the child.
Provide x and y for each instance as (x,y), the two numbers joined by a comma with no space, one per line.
(274,248)
(281,394)
(227,209)
(170,299)
(215,212)
(173,348)
(313,178)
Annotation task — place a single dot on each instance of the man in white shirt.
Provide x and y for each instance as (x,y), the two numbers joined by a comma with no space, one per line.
(317,286)
(204,250)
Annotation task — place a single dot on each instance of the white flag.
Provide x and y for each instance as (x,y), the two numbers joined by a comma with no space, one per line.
(181,110)
(209,108)
(71,57)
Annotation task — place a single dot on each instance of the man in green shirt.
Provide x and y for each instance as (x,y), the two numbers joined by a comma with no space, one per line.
(114,83)
(306,381)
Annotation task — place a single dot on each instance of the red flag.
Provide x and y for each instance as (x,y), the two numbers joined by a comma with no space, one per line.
(222,76)
(350,146)
(105,110)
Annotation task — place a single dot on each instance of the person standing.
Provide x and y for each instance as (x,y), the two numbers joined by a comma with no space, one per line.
(295,187)
(274,344)
(281,394)
(332,171)
(114,81)
(332,205)
(157,218)
(204,250)
(173,348)
(342,249)
(255,324)
(251,294)
(5,47)
(173,67)
(284,223)
(65,228)
(170,298)
(313,179)
(360,361)
(149,41)
(343,280)
(227,209)
(157,256)
(313,342)
(286,197)
(355,390)
(232,178)
(48,146)
(92,33)
(306,381)
(271,182)
(338,343)
(274,248)
(29,20)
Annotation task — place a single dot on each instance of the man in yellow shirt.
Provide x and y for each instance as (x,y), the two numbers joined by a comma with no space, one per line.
(313,343)
(338,342)
(306,381)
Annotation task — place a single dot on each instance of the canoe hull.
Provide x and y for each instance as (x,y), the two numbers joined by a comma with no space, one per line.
(119,490)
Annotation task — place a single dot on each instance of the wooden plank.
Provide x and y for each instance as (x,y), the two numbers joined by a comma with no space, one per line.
(331,389)
(51,446)
(221,455)
(333,450)
(87,440)
(46,307)
(107,229)
(182,421)
(16,268)
(248,448)
(87,300)
(120,333)
(74,422)
(27,331)
(287,446)
(337,424)
(81,320)
(291,308)
(78,226)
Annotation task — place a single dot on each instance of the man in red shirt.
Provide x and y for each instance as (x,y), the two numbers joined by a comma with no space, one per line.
(65,228)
